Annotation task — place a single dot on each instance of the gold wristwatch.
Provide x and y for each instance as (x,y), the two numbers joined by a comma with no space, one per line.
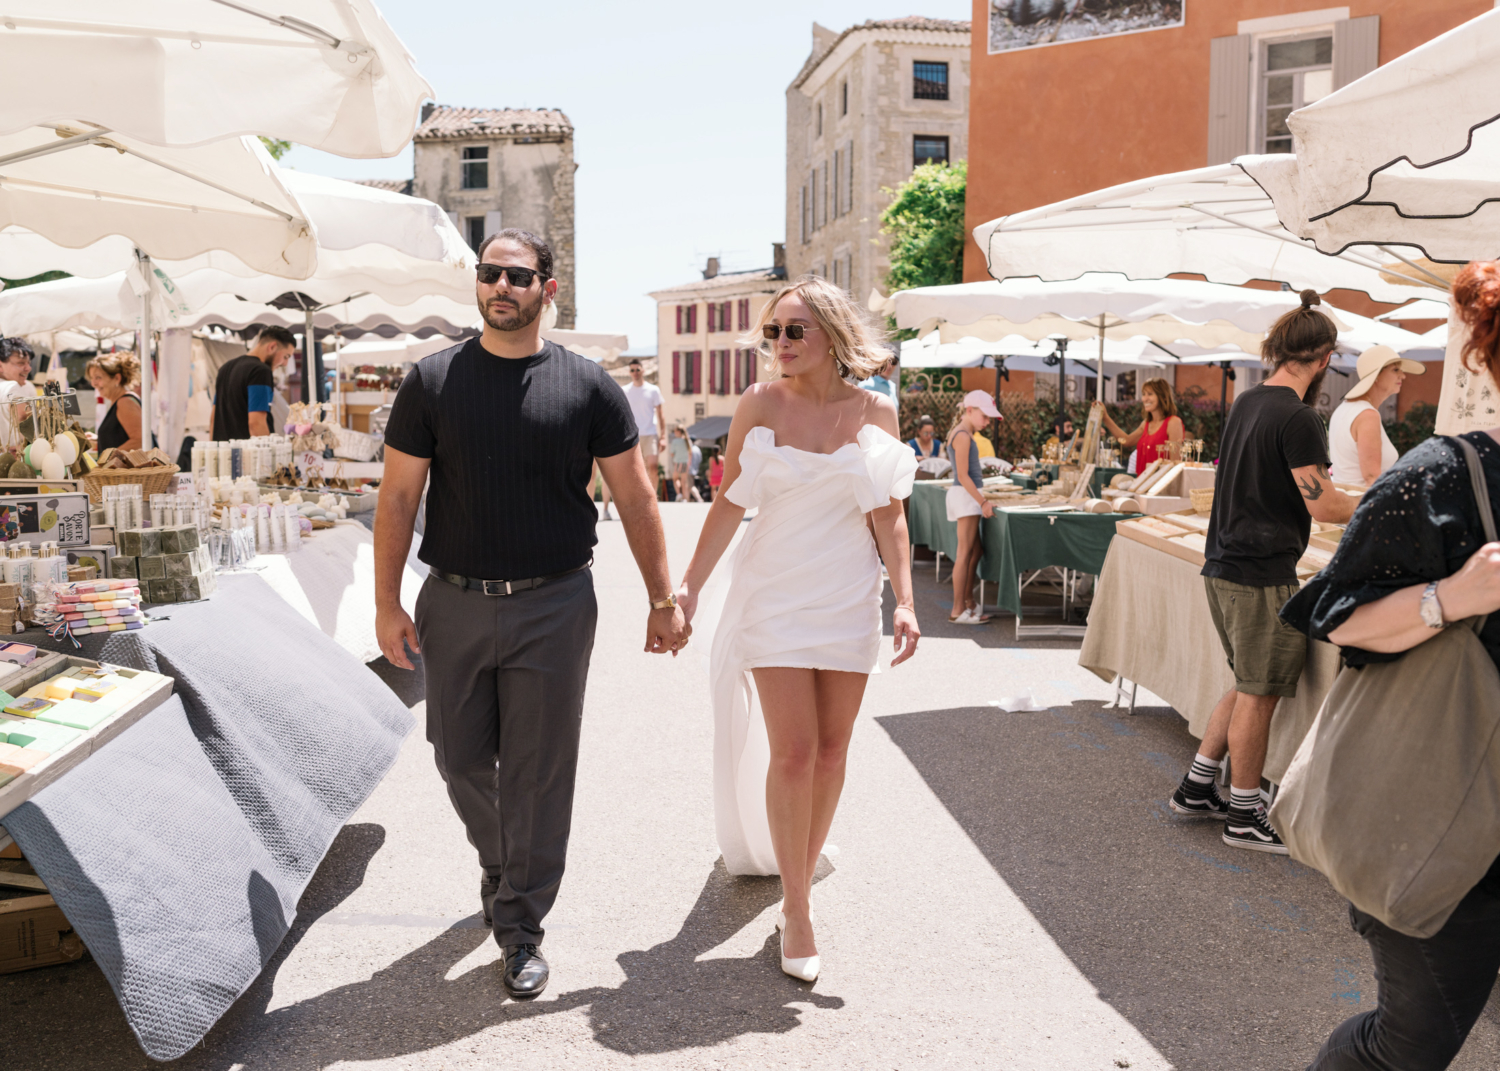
(669,603)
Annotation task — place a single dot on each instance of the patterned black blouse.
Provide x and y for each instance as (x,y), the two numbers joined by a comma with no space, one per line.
(1417,523)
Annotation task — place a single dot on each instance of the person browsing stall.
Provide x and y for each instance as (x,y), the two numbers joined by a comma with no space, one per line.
(926,444)
(1272,484)
(1160,426)
(244,386)
(112,375)
(886,381)
(966,504)
(1357,441)
(15,381)
(508,427)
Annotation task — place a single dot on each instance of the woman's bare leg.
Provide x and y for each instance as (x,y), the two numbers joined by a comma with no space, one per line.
(963,566)
(838,699)
(789,702)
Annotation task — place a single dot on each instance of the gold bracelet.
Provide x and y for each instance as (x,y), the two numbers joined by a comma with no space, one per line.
(669,603)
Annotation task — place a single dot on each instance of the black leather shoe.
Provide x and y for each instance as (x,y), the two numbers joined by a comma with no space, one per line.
(525,973)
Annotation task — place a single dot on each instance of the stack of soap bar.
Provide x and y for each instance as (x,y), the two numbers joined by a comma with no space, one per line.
(99,606)
(170,563)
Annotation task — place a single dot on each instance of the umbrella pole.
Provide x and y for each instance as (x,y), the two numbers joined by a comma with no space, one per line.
(308,391)
(1099,385)
(1223,393)
(148,439)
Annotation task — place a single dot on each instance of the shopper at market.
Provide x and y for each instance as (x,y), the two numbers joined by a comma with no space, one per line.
(645,405)
(112,375)
(886,381)
(681,452)
(1414,561)
(926,444)
(244,385)
(1357,441)
(715,474)
(966,505)
(1160,426)
(507,427)
(1272,483)
(15,383)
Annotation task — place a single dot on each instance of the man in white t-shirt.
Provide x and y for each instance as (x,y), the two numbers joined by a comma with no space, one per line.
(645,406)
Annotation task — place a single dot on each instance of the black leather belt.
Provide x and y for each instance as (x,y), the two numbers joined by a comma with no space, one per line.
(504,587)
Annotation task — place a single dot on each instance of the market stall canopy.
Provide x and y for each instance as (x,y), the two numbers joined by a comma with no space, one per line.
(1425,309)
(1214,221)
(403,349)
(1163,310)
(710,428)
(1022,354)
(596,347)
(328,74)
(365,314)
(75,200)
(1405,155)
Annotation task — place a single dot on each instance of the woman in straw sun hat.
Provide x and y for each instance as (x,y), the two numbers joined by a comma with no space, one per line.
(1357,441)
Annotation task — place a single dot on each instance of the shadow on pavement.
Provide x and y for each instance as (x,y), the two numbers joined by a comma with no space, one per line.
(1218,956)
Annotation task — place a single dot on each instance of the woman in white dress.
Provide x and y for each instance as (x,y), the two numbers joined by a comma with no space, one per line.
(801,625)
(1357,443)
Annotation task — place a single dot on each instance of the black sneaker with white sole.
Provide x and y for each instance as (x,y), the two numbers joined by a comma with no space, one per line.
(1197,800)
(1252,830)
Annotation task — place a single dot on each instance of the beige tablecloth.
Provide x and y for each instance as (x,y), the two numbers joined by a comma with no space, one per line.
(1150,624)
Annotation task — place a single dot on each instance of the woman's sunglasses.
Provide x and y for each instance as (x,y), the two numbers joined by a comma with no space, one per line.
(520,278)
(773,331)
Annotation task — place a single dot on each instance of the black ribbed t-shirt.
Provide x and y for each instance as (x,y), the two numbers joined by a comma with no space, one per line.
(512,443)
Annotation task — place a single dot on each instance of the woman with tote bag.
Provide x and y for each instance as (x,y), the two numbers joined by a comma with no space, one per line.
(1419,560)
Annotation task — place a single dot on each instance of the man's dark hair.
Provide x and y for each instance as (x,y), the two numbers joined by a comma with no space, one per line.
(1303,335)
(277,334)
(634,361)
(539,248)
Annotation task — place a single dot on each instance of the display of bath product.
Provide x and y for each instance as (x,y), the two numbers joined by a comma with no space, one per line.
(22,654)
(76,715)
(293,531)
(61,688)
(40,735)
(122,566)
(179,539)
(138,542)
(15,761)
(28,706)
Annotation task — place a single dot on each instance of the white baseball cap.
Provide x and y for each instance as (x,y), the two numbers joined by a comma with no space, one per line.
(978,399)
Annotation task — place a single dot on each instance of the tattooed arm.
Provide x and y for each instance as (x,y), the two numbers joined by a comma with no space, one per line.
(1325,502)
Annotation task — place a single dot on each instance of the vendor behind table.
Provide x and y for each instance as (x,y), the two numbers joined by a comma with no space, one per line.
(1357,441)
(1272,483)
(1160,425)
(243,389)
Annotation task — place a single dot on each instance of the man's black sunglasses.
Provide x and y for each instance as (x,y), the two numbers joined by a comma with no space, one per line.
(773,331)
(520,278)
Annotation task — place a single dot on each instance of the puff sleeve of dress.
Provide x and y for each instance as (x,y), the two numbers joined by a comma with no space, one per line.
(890,467)
(759,447)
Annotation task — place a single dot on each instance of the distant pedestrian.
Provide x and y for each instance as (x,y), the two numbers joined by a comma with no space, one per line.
(967,505)
(507,427)
(695,464)
(715,473)
(681,453)
(645,405)
(1272,484)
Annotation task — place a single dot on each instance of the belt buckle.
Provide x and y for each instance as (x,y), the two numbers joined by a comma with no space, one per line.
(497,587)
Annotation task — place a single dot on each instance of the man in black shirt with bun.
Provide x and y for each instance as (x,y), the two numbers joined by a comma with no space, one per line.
(1272,484)
(508,428)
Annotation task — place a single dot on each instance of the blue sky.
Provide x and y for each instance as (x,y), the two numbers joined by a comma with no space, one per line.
(679,122)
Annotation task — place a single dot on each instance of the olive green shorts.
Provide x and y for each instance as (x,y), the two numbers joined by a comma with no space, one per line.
(1265,653)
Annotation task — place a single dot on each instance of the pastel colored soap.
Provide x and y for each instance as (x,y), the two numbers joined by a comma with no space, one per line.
(60,688)
(76,715)
(21,760)
(97,688)
(43,736)
(28,707)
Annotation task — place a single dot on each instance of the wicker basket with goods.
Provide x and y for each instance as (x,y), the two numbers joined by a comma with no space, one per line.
(152,469)
(1203,500)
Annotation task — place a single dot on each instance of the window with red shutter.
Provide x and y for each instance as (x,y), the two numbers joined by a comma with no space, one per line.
(679,319)
(692,318)
(737,388)
(713,318)
(726,324)
(744,314)
(713,377)
(677,366)
(697,371)
(750,356)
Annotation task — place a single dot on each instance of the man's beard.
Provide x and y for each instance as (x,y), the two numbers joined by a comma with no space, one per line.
(1310,396)
(523,316)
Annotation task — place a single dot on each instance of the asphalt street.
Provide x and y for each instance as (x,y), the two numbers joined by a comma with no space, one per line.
(1007,891)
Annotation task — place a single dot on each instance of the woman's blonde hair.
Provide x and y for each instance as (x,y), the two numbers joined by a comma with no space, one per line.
(121,365)
(1163,391)
(856,343)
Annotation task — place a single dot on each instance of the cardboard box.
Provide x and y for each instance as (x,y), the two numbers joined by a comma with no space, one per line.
(61,519)
(35,933)
(97,555)
(102,534)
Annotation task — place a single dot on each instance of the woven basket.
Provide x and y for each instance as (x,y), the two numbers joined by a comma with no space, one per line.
(1203,499)
(153,481)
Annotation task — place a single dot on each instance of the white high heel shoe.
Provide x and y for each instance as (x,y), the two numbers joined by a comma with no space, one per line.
(805,969)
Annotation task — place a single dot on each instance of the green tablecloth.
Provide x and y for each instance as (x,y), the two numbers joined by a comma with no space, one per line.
(1015,541)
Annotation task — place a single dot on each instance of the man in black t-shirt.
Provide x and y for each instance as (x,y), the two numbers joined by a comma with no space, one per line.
(244,386)
(508,429)
(1271,484)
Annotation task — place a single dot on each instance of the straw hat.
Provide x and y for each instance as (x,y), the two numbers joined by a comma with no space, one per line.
(1373,361)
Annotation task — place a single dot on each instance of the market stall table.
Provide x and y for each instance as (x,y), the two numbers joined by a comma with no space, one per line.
(1150,624)
(1016,540)
(179,850)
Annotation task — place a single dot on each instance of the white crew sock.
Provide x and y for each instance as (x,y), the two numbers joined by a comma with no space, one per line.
(1244,799)
(1204,769)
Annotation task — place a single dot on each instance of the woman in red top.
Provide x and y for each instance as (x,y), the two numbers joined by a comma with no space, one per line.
(715,473)
(1162,424)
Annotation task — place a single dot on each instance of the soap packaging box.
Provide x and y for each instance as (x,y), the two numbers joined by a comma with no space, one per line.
(62,519)
(96,554)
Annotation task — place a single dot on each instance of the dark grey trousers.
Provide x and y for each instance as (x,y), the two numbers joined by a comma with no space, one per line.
(505,678)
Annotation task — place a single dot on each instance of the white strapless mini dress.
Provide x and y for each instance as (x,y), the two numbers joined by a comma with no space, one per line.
(804,591)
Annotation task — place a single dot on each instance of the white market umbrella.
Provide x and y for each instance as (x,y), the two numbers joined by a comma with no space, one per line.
(1022,354)
(1405,155)
(596,346)
(1212,221)
(328,74)
(1424,309)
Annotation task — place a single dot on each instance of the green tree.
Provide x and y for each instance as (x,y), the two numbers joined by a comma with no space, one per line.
(276,147)
(925,222)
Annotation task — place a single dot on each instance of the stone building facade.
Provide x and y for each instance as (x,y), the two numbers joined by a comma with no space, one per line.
(869,104)
(702,366)
(490,168)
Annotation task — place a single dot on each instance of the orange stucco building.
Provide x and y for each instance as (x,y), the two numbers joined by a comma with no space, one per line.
(1062,117)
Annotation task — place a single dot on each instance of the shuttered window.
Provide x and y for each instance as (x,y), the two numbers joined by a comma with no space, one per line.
(849,176)
(1295,72)
(1356,49)
(697,384)
(692,319)
(725,323)
(713,319)
(744,370)
(677,370)
(838,183)
(1228,98)
(743,311)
